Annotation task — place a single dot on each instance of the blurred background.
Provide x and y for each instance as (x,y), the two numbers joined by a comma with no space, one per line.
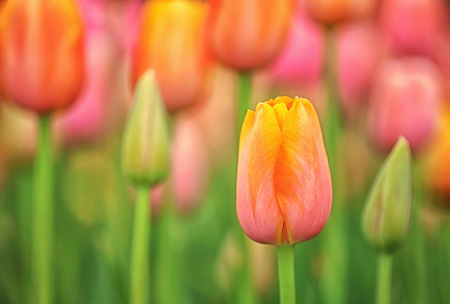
(390,66)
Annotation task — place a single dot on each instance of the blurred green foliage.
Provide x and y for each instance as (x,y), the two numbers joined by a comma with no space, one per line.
(93,235)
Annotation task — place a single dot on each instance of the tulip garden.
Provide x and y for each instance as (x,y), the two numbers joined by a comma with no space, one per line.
(224,151)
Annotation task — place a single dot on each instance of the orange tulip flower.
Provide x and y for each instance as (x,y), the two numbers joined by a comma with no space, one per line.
(171,41)
(284,186)
(333,11)
(41,53)
(247,34)
(437,160)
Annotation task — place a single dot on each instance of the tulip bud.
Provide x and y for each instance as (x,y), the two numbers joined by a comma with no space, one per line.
(171,41)
(41,53)
(388,210)
(145,145)
(247,34)
(283,185)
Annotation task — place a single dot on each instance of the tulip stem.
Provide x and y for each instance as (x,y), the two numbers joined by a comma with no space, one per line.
(286,274)
(140,247)
(245,82)
(43,215)
(384,279)
(335,278)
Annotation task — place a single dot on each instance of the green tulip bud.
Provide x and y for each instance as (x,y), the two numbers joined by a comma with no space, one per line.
(387,213)
(145,143)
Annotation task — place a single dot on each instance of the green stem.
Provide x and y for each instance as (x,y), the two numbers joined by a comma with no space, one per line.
(286,274)
(167,288)
(384,279)
(139,264)
(335,276)
(333,112)
(246,290)
(43,219)
(245,81)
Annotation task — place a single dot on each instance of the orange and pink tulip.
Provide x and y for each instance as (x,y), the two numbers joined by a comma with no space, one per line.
(41,53)
(171,41)
(284,189)
(248,34)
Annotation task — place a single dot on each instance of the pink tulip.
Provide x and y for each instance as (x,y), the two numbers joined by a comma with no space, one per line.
(86,119)
(413,25)
(405,101)
(359,52)
(189,164)
(301,58)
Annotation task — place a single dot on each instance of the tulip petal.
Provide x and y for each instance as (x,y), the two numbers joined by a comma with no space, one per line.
(257,206)
(247,127)
(302,179)
(281,111)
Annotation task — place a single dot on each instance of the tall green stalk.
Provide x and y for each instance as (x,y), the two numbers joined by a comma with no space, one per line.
(165,266)
(384,279)
(43,219)
(140,249)
(245,82)
(246,290)
(335,277)
(286,274)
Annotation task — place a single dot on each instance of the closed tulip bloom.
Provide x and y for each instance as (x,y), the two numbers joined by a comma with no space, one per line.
(414,25)
(171,41)
(296,63)
(333,11)
(247,34)
(41,53)
(437,159)
(283,185)
(145,143)
(388,210)
(405,100)
(359,52)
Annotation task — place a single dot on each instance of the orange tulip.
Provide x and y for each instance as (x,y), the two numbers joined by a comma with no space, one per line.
(41,53)
(437,160)
(247,34)
(333,11)
(284,186)
(171,41)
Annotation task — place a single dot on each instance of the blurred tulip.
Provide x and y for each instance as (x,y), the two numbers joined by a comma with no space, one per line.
(219,132)
(87,118)
(405,100)
(388,210)
(247,34)
(333,11)
(145,143)
(41,53)
(283,186)
(358,55)
(157,198)
(414,25)
(437,158)
(297,63)
(171,41)
(190,164)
